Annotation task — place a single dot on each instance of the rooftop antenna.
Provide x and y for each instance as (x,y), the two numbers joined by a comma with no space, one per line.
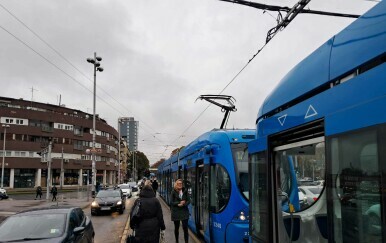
(32,91)
(224,108)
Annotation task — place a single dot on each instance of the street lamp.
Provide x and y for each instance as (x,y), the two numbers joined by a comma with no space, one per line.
(97,67)
(119,150)
(2,165)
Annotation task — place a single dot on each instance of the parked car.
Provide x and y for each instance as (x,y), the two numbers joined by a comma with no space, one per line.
(48,225)
(109,200)
(126,189)
(311,193)
(302,199)
(374,219)
(134,188)
(135,191)
(3,194)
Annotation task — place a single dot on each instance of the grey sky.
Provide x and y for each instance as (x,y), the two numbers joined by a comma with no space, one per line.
(158,56)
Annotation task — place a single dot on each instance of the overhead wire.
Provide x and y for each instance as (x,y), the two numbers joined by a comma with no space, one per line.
(72,65)
(271,33)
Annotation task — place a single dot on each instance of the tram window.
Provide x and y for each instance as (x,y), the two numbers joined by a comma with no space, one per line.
(191,177)
(221,186)
(300,173)
(240,157)
(259,198)
(356,193)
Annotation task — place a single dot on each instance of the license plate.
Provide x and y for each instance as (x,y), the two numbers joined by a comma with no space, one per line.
(105,208)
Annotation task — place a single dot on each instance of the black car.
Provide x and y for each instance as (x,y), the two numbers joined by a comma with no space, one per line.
(109,200)
(48,225)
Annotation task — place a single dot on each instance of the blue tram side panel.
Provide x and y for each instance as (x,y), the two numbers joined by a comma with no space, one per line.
(328,109)
(214,168)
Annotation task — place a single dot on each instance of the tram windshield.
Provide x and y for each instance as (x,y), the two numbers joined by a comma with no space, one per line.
(301,173)
(240,157)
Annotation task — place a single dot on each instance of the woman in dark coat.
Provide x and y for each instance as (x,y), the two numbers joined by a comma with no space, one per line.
(151,217)
(179,209)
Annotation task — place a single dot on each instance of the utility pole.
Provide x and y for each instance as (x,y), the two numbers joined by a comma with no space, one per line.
(97,67)
(61,172)
(119,151)
(49,170)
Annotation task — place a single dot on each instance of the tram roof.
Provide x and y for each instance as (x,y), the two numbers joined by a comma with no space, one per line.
(362,40)
(217,135)
(214,136)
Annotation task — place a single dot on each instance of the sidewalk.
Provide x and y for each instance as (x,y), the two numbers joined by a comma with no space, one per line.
(169,232)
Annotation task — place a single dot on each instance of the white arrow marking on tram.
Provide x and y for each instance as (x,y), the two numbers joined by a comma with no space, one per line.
(282,119)
(310,112)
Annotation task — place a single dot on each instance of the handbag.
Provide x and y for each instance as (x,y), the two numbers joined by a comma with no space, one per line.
(131,238)
(135,215)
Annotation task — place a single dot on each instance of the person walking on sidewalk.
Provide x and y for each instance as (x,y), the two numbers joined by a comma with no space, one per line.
(179,209)
(54,191)
(39,192)
(154,184)
(151,220)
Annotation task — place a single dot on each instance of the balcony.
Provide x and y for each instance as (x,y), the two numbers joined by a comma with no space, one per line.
(47,129)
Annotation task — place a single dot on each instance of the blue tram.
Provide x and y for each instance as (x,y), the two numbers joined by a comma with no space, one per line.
(214,168)
(322,132)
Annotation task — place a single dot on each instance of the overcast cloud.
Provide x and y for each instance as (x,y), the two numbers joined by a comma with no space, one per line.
(158,56)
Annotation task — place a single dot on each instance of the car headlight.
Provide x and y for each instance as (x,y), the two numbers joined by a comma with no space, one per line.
(119,202)
(94,204)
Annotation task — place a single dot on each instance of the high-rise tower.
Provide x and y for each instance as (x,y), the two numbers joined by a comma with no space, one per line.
(129,131)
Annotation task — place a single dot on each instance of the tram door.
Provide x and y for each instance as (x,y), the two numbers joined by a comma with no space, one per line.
(202,199)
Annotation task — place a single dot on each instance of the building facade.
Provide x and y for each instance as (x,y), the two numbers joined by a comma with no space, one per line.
(129,131)
(33,125)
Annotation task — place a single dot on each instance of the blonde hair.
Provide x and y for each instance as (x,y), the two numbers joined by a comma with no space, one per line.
(175,183)
(147,183)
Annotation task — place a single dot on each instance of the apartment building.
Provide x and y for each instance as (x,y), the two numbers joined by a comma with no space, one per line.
(29,128)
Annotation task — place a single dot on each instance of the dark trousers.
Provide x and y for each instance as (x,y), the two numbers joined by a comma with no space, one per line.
(38,194)
(53,196)
(184,227)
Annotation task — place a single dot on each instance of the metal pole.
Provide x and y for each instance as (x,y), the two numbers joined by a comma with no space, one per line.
(2,165)
(93,136)
(88,183)
(49,170)
(119,151)
(61,172)
(135,163)
(132,165)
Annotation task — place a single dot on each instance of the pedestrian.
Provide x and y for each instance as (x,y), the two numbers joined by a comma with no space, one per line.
(155,185)
(54,191)
(151,221)
(98,186)
(39,192)
(179,209)
(142,183)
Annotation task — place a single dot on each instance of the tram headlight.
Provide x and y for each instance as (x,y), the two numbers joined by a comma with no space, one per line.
(243,215)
